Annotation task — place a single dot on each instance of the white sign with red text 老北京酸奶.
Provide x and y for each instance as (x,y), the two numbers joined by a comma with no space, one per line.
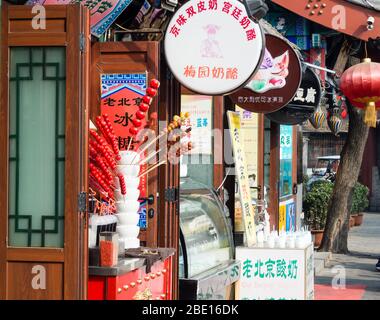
(213,47)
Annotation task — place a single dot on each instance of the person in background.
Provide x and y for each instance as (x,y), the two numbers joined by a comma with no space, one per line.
(378,265)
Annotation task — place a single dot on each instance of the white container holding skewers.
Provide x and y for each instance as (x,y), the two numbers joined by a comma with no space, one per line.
(126,196)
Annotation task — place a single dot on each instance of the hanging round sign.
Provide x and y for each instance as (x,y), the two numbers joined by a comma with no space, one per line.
(304,103)
(213,47)
(276,82)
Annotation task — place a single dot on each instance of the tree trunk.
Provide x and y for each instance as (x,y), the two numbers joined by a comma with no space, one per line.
(337,223)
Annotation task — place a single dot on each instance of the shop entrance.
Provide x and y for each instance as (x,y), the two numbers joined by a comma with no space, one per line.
(42,164)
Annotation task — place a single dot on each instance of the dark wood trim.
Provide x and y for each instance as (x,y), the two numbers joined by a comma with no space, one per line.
(85,98)
(274,174)
(37,39)
(260,154)
(168,212)
(218,146)
(294,159)
(35,254)
(4,129)
(72,152)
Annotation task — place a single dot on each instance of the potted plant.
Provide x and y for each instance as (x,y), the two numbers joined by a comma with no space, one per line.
(315,207)
(359,202)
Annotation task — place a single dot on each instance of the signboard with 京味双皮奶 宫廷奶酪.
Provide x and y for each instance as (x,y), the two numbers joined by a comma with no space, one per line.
(213,47)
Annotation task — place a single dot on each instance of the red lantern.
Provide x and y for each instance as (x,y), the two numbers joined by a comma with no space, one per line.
(361,85)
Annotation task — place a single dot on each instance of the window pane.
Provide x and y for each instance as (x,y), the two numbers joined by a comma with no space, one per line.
(199,162)
(37,139)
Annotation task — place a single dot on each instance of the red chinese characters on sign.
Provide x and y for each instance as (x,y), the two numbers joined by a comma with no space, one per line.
(227,7)
(229,73)
(121,95)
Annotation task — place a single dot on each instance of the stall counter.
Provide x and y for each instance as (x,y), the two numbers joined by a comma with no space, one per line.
(128,280)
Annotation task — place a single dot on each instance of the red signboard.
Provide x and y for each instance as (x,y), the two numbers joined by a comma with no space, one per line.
(121,95)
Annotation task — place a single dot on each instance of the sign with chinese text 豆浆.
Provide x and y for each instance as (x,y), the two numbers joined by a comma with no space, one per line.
(103,12)
(121,95)
(241,172)
(275,274)
(304,103)
(200,110)
(213,47)
(274,85)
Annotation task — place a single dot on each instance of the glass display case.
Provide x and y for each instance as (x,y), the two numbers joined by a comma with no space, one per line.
(206,244)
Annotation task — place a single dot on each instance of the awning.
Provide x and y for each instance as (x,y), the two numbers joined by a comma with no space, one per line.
(345,16)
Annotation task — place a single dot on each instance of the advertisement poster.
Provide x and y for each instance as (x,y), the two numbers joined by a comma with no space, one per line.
(286,153)
(103,12)
(282,217)
(287,215)
(121,95)
(200,110)
(275,274)
(241,172)
(291,216)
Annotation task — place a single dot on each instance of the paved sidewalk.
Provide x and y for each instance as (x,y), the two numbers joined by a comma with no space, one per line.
(362,279)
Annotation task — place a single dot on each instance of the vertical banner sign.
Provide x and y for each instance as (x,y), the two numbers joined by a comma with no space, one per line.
(121,95)
(242,177)
(276,274)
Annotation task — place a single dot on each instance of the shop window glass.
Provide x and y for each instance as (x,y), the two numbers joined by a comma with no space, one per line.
(36,146)
(198,164)
(286,150)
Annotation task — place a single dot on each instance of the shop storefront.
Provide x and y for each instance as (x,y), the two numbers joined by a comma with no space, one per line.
(94,207)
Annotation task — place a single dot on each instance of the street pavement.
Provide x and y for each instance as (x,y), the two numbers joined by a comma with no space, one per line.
(362,281)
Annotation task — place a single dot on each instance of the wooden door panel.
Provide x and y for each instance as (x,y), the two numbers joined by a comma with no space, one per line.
(64,267)
(34,281)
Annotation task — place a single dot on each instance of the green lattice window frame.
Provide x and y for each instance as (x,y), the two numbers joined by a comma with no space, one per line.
(16,79)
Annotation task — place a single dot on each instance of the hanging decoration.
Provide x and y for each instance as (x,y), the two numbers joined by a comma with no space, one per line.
(317,118)
(361,85)
(335,122)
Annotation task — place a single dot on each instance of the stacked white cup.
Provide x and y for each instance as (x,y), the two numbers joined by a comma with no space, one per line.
(127,206)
